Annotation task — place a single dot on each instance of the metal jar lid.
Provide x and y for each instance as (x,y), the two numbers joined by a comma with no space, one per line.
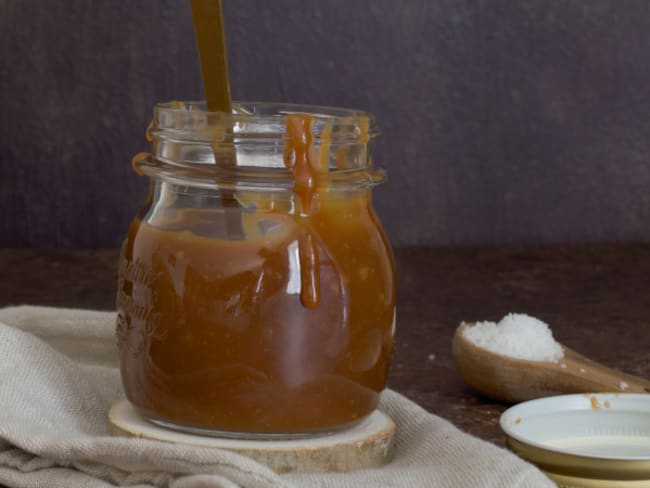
(585,440)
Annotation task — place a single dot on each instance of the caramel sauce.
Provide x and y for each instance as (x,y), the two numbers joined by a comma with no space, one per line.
(215,333)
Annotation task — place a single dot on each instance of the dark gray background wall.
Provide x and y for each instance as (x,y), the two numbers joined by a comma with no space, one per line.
(503,121)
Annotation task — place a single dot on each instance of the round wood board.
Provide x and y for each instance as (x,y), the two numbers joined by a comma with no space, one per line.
(367,445)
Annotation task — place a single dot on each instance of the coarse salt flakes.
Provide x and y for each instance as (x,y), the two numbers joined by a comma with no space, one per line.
(516,335)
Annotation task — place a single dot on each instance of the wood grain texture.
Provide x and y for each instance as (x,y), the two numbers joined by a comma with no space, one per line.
(593,297)
(365,446)
(502,121)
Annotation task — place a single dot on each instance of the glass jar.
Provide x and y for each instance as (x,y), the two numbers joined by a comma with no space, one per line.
(256,293)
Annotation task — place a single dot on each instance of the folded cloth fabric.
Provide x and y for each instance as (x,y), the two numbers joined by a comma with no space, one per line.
(59,376)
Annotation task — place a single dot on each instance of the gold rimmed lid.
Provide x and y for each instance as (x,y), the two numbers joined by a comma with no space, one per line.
(584,440)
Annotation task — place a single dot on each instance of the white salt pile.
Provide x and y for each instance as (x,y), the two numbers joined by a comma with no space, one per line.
(516,335)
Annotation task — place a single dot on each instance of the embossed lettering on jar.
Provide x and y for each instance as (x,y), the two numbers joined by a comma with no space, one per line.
(256,292)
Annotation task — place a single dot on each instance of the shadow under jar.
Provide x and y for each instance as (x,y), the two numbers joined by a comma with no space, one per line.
(256,293)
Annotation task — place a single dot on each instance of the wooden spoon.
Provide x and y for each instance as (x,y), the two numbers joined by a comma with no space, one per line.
(508,379)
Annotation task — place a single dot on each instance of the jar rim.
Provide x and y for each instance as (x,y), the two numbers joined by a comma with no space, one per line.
(251,118)
(246,148)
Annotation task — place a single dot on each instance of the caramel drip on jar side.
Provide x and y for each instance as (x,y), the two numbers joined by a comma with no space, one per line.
(148,132)
(297,159)
(307,167)
(141,155)
(309,271)
(136,159)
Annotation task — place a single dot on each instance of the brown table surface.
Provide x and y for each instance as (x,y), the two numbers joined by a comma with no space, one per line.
(595,297)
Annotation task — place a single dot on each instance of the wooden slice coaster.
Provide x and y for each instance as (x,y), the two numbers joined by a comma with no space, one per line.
(367,445)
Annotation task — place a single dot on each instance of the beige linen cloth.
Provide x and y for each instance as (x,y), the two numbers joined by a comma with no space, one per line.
(59,376)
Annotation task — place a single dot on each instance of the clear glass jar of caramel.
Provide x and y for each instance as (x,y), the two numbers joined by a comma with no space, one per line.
(256,293)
